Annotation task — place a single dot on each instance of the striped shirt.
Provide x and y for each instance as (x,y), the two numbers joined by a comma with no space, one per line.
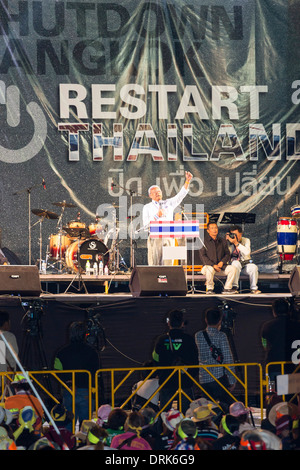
(218,339)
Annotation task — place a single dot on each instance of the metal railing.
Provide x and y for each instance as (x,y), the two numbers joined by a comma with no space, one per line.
(115,386)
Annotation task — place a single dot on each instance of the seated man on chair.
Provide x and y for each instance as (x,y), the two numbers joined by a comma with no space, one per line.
(240,252)
(215,257)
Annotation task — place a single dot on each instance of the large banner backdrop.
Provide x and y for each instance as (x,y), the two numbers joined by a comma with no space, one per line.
(101,99)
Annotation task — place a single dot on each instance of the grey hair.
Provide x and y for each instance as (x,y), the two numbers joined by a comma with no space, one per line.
(151,187)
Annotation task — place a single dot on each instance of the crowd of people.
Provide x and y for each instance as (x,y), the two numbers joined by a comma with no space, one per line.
(152,422)
(204,426)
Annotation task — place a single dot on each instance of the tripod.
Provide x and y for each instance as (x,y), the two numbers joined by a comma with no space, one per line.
(32,350)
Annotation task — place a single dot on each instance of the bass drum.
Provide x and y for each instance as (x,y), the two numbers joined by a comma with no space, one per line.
(90,250)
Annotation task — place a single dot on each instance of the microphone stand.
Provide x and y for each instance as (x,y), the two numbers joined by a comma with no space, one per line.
(28,190)
(132,253)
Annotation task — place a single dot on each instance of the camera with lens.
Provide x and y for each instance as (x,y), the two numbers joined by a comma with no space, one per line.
(232,235)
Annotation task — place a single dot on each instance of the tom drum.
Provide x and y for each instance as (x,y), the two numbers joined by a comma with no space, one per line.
(287,234)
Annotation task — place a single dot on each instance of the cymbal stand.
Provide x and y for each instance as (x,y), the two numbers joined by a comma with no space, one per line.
(59,226)
(78,275)
(132,241)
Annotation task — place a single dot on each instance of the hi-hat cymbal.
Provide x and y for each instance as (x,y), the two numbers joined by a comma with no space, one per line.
(63,204)
(45,214)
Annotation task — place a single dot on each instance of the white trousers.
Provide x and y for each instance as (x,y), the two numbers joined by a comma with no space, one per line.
(250,269)
(155,251)
(209,272)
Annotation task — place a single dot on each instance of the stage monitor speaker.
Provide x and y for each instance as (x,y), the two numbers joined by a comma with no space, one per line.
(294,281)
(20,280)
(158,280)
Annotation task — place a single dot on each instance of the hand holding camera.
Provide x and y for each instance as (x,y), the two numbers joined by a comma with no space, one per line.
(232,238)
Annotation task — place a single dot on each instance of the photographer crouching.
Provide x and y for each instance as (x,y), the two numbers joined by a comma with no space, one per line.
(240,257)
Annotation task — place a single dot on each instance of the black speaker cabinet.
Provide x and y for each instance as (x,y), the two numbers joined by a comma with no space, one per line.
(294,281)
(20,280)
(158,280)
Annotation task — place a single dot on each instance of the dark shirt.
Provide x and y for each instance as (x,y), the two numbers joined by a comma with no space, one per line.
(78,356)
(175,348)
(280,334)
(214,251)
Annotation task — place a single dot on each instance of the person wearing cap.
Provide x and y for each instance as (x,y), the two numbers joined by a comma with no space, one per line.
(252,440)
(23,397)
(62,417)
(25,435)
(186,434)
(6,441)
(103,414)
(239,411)
(95,439)
(229,430)
(284,428)
(203,417)
(152,429)
(131,439)
(175,348)
(170,420)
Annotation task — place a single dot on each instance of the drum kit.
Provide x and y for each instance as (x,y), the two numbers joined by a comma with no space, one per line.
(77,247)
(288,236)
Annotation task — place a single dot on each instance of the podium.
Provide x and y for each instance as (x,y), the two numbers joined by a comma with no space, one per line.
(174,229)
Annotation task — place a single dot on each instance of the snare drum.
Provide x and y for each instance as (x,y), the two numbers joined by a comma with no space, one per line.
(287,237)
(90,250)
(58,245)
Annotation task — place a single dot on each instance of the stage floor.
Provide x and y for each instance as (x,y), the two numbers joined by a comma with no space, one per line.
(119,283)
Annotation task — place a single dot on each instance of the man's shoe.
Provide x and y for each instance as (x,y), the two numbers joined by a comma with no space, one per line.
(210,291)
(230,291)
(256,291)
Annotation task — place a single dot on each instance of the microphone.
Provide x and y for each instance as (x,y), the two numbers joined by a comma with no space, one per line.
(44,183)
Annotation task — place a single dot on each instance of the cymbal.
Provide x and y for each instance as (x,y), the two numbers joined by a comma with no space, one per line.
(44,213)
(63,204)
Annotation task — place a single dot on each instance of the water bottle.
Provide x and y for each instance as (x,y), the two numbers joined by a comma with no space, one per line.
(106,270)
(88,268)
(44,267)
(101,268)
(95,269)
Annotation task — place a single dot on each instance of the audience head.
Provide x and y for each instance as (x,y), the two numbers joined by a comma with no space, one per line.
(134,422)
(116,419)
(280,307)
(213,316)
